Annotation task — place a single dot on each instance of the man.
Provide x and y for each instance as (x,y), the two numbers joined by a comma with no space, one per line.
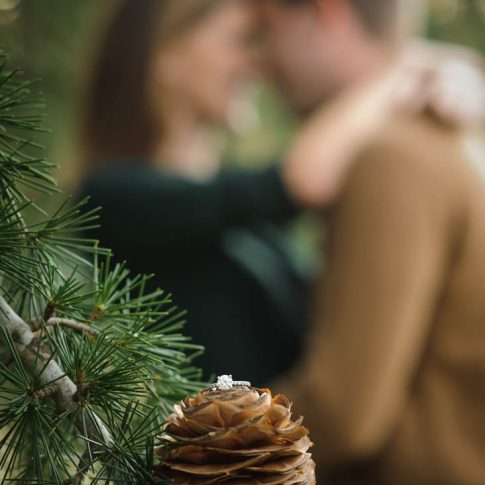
(392,386)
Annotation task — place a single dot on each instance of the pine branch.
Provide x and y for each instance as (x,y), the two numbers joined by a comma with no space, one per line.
(44,366)
(90,363)
(81,327)
(20,332)
(47,369)
(64,322)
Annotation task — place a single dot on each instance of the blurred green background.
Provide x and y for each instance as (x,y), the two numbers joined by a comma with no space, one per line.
(53,40)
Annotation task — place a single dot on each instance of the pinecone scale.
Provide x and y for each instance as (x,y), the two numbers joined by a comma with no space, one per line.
(237,436)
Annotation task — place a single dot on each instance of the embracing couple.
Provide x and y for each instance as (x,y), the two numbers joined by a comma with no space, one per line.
(391,378)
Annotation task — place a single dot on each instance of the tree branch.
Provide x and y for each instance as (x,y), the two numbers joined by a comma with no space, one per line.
(45,392)
(82,327)
(82,468)
(21,333)
(47,369)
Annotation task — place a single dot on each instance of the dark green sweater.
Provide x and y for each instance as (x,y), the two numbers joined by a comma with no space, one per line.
(217,247)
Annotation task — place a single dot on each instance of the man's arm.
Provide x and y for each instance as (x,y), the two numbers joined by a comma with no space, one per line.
(388,249)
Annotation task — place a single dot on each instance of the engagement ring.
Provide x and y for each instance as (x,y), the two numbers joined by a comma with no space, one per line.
(225,382)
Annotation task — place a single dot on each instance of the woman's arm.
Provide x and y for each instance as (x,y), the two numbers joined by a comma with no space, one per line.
(152,210)
(450,86)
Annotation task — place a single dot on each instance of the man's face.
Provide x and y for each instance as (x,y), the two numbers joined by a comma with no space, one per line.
(299,53)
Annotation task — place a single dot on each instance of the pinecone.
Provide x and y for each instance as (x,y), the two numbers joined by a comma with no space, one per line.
(236,436)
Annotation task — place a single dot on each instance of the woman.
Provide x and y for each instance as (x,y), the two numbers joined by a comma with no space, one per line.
(166,74)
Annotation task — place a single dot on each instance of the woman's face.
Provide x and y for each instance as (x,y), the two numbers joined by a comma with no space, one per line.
(204,69)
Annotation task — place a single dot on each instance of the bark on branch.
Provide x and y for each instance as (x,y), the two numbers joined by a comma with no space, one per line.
(82,327)
(64,322)
(48,371)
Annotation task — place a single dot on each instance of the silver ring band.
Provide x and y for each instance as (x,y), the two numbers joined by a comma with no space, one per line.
(242,384)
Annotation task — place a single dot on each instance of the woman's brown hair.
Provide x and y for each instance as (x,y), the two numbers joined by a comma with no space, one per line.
(118,121)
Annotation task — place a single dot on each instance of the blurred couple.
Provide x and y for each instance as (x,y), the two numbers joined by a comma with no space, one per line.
(391,378)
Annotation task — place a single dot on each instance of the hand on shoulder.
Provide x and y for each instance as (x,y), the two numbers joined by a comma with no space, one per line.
(451,86)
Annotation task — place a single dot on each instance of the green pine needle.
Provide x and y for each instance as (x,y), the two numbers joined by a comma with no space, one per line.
(121,347)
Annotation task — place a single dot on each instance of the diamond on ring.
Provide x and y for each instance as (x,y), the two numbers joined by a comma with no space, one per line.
(226,382)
